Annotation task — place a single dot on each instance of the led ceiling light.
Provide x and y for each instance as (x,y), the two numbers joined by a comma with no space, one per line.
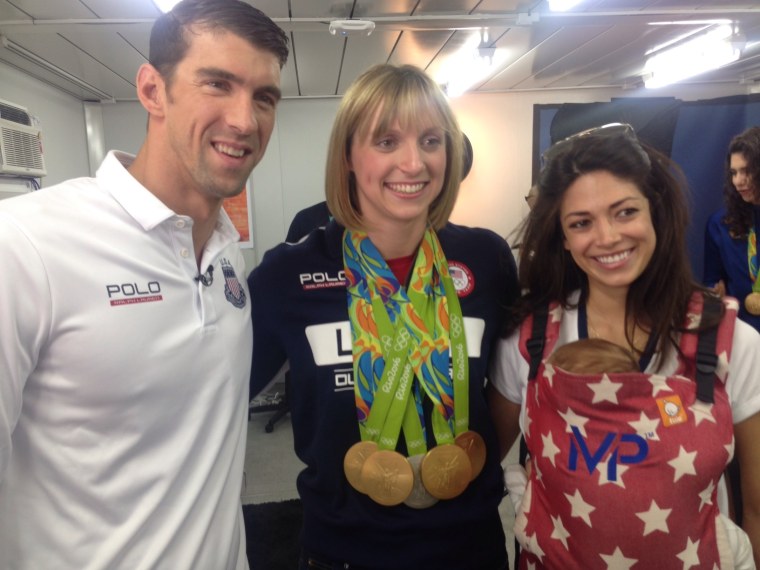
(165,5)
(708,51)
(562,5)
(473,63)
(345,28)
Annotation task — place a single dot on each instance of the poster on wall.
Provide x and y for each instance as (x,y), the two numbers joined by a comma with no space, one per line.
(239,211)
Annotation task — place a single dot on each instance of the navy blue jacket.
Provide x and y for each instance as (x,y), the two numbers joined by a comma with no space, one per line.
(726,259)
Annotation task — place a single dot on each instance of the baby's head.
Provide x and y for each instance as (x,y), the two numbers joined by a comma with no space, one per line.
(593,356)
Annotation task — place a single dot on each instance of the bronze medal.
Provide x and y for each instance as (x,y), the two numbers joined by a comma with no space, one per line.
(354,460)
(475,448)
(387,477)
(419,497)
(752,303)
(446,471)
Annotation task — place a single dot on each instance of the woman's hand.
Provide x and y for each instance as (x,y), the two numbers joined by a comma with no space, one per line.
(720,288)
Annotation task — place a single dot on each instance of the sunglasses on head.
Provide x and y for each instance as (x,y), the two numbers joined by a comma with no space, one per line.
(608,130)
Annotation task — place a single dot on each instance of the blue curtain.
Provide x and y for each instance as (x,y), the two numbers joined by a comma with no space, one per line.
(703,132)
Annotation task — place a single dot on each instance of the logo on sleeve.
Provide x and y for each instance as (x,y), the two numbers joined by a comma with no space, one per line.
(464,280)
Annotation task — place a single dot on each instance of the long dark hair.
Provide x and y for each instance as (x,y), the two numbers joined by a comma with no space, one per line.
(739,214)
(658,299)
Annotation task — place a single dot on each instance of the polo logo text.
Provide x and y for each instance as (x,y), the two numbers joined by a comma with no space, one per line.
(131,293)
(322,280)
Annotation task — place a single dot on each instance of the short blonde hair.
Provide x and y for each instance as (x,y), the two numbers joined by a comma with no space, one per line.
(386,93)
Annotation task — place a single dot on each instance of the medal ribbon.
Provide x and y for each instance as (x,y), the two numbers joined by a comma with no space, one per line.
(412,332)
(752,260)
(430,360)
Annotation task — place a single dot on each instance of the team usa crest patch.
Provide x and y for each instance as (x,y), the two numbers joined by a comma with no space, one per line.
(464,280)
(233,290)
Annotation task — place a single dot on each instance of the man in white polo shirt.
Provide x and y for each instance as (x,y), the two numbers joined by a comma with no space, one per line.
(125,333)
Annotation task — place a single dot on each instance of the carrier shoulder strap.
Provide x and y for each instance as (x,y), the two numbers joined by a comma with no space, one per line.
(537,340)
(706,358)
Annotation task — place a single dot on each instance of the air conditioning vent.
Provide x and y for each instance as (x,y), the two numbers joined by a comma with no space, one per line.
(20,143)
(14,114)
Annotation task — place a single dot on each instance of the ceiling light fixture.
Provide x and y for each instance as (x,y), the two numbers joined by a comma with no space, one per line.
(165,5)
(691,23)
(345,28)
(711,50)
(473,63)
(562,5)
(34,58)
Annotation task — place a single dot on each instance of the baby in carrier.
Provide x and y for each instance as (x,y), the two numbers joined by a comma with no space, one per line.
(593,356)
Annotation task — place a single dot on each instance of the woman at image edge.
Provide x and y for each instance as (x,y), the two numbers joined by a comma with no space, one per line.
(328,304)
(606,240)
(731,261)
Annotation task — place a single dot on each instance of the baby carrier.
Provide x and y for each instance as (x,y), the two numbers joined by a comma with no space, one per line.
(625,467)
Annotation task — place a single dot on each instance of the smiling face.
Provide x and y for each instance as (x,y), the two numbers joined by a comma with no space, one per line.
(399,173)
(219,113)
(608,230)
(741,178)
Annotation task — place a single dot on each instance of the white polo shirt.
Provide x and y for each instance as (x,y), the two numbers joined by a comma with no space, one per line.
(123,382)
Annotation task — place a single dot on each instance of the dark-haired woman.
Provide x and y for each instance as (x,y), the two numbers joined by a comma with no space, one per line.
(731,261)
(625,467)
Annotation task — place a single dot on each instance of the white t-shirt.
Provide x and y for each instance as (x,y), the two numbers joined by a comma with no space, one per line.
(123,382)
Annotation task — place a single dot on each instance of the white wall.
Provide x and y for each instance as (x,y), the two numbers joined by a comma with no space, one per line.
(124,126)
(61,116)
(291,175)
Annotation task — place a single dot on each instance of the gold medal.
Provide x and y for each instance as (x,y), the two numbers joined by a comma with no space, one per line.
(446,471)
(387,477)
(354,460)
(419,497)
(752,303)
(475,448)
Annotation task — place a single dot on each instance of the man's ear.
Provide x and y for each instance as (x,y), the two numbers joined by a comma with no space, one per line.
(151,89)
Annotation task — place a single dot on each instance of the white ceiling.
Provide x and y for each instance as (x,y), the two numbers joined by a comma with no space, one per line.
(600,43)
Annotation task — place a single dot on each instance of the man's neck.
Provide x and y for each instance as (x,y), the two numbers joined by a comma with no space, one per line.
(157,180)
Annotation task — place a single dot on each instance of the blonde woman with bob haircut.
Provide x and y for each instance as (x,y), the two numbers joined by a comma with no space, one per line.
(414,95)
(386,318)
